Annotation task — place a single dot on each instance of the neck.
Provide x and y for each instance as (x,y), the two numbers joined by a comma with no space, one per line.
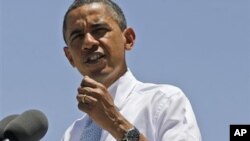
(115,75)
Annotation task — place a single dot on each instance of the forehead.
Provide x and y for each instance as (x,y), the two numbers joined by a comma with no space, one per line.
(90,13)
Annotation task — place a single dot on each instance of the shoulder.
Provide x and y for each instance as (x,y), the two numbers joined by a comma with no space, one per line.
(160,97)
(171,110)
(158,90)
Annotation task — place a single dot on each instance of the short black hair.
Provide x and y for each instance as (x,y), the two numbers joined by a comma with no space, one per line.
(114,8)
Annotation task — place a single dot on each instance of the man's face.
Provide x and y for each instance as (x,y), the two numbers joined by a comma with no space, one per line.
(96,44)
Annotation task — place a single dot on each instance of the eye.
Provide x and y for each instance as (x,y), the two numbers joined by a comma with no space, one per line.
(99,32)
(77,36)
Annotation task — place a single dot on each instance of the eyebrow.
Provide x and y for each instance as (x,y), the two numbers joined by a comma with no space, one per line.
(95,25)
(99,24)
(75,32)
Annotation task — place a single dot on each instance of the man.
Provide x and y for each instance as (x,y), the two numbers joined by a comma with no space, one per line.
(116,106)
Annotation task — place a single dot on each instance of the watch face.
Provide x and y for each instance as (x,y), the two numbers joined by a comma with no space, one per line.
(132,135)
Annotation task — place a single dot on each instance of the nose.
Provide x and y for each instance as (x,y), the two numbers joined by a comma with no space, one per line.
(89,42)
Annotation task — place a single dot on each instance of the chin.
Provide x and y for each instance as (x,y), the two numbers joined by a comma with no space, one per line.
(106,75)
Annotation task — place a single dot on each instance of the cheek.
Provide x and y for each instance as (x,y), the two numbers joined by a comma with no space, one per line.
(115,44)
(76,56)
(115,50)
(119,48)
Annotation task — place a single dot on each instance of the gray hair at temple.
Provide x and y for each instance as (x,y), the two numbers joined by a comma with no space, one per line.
(113,7)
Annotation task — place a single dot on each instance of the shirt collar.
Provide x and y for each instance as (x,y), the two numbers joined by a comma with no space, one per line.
(122,88)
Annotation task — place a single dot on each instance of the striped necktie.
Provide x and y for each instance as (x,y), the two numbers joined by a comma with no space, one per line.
(91,132)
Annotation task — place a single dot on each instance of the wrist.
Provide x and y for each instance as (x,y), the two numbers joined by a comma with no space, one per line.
(120,127)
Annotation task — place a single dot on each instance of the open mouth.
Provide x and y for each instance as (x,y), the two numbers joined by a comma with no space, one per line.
(94,57)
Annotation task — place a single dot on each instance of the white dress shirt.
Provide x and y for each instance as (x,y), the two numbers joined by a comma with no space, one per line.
(159,112)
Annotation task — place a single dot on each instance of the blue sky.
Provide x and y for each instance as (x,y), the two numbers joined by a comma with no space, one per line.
(201,46)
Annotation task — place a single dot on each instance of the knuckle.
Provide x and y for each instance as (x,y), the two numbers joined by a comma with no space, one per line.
(100,93)
(87,89)
(102,87)
(78,97)
(83,82)
(79,89)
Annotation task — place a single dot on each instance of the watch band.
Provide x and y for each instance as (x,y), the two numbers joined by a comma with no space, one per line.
(132,134)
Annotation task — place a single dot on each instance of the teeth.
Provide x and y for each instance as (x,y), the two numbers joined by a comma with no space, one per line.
(94,57)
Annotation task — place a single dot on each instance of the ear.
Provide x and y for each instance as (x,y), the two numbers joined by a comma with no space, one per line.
(129,35)
(69,56)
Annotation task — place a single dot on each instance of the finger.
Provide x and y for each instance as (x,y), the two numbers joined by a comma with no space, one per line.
(86,99)
(89,82)
(85,90)
(84,107)
(94,92)
(88,105)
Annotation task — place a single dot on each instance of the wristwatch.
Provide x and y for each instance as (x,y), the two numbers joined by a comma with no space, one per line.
(132,135)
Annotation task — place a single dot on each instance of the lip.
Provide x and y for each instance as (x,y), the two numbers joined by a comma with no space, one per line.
(98,65)
(94,58)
